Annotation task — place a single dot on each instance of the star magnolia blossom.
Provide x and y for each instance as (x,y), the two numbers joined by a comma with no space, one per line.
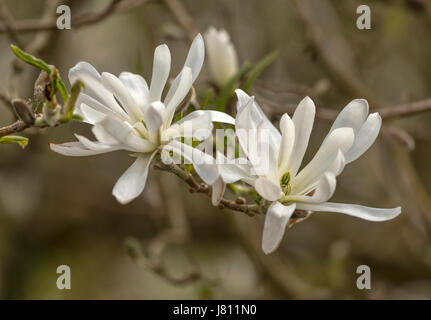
(223,61)
(127,115)
(282,183)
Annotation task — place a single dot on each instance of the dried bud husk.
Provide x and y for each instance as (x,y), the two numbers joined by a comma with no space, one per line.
(40,85)
(51,113)
(23,111)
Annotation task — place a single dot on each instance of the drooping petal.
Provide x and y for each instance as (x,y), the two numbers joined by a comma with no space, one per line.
(73,149)
(116,86)
(183,88)
(233,170)
(132,182)
(218,189)
(161,69)
(287,129)
(138,88)
(366,213)
(267,189)
(365,137)
(303,120)
(276,220)
(93,85)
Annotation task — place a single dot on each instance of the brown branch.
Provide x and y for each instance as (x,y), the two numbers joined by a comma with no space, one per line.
(406,110)
(183,18)
(13,128)
(34,25)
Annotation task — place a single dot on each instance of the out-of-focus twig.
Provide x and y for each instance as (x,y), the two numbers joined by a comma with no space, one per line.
(34,25)
(183,18)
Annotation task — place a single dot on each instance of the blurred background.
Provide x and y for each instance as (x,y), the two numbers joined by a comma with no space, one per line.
(57,210)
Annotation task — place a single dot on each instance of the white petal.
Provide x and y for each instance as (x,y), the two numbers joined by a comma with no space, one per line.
(91,115)
(233,170)
(183,88)
(195,57)
(161,68)
(267,154)
(267,189)
(96,146)
(154,116)
(97,106)
(339,139)
(303,120)
(117,87)
(93,86)
(367,213)
(287,129)
(215,116)
(338,165)
(323,192)
(124,133)
(218,189)
(103,136)
(137,86)
(365,137)
(353,115)
(132,182)
(203,163)
(276,221)
(73,149)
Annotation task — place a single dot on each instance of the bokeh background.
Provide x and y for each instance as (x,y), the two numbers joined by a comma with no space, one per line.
(58,210)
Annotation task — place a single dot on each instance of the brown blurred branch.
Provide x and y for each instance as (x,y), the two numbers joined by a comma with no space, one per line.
(183,18)
(34,25)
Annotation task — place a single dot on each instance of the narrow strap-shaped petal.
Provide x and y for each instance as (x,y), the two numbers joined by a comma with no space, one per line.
(323,192)
(233,170)
(215,116)
(277,217)
(366,213)
(303,120)
(116,86)
(132,182)
(183,88)
(194,61)
(365,137)
(96,105)
(339,139)
(287,128)
(74,149)
(96,146)
(154,116)
(161,69)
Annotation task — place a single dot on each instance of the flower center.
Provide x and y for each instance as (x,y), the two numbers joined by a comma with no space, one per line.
(285,183)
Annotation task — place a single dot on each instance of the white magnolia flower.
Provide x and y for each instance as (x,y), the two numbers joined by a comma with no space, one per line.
(222,56)
(282,183)
(128,115)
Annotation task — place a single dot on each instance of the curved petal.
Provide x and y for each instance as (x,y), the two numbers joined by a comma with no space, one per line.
(303,120)
(96,146)
(137,86)
(132,182)
(183,88)
(353,115)
(233,170)
(100,108)
(154,116)
(218,189)
(366,213)
(215,116)
(276,221)
(267,189)
(93,86)
(365,137)
(323,192)
(339,139)
(161,69)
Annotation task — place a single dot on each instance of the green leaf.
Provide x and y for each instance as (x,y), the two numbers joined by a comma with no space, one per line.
(258,69)
(28,58)
(21,141)
(227,90)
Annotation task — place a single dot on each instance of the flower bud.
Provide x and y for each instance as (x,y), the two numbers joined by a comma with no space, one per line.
(222,56)
(23,111)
